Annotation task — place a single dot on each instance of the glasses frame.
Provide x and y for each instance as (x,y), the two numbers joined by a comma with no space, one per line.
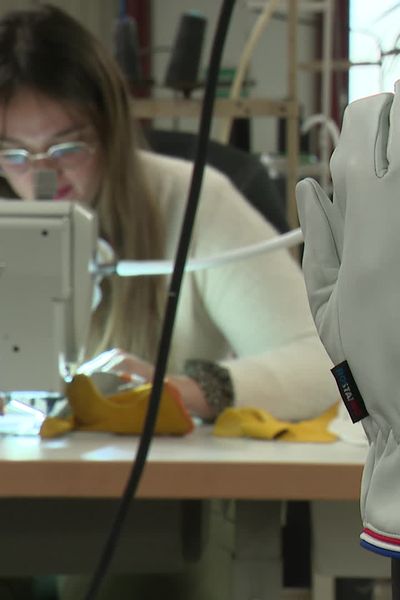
(32,157)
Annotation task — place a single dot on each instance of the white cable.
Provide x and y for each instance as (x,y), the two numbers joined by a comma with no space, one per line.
(132,268)
(320,119)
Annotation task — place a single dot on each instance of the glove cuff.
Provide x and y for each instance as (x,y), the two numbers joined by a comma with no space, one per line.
(379,543)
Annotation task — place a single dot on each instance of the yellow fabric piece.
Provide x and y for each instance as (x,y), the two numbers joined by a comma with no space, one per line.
(123,412)
(258,423)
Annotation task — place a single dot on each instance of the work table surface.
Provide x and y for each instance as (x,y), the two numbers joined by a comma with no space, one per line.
(199,465)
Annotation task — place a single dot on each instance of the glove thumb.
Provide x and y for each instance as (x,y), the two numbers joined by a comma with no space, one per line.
(321,226)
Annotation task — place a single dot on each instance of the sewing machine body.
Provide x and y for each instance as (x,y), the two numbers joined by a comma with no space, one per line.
(47,253)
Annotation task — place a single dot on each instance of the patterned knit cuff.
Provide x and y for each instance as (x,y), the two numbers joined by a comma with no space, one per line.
(214,381)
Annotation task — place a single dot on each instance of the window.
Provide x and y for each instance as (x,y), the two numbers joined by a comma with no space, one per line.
(374,32)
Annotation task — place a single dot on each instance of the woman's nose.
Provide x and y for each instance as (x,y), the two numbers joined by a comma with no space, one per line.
(44,183)
(42,161)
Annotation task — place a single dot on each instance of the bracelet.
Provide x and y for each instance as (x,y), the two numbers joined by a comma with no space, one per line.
(215,382)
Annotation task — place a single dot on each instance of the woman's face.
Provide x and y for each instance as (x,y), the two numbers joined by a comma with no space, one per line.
(34,122)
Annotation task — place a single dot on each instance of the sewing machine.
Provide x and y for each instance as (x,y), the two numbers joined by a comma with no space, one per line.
(47,252)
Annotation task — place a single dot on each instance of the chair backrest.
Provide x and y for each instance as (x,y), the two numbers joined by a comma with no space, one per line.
(245,170)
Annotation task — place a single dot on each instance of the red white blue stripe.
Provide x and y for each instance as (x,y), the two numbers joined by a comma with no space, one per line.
(385,545)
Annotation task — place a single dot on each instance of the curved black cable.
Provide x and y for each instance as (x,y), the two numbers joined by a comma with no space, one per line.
(172,301)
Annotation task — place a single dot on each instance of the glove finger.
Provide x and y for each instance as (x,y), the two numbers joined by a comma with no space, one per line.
(321,226)
(363,145)
(393,144)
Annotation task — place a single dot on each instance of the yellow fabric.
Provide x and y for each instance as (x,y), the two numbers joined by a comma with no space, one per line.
(258,423)
(122,412)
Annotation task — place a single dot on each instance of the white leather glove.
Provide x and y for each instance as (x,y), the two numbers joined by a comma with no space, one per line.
(352,270)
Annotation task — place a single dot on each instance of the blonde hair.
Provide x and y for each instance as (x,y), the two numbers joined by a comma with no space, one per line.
(130,312)
(47,50)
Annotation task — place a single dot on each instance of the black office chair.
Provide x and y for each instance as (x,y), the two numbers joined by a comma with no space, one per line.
(245,170)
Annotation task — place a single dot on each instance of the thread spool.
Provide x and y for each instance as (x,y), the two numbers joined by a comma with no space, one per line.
(126,49)
(183,68)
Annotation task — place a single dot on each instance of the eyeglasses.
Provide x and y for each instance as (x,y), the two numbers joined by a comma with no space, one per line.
(68,155)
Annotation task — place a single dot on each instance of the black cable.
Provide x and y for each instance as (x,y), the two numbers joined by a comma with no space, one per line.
(172,301)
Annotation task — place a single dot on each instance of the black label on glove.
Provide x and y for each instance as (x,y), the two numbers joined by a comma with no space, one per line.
(349,391)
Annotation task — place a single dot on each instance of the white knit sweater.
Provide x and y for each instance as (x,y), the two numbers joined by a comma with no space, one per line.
(252,316)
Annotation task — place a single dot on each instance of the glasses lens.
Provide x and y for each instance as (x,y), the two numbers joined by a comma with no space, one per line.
(13,160)
(69,154)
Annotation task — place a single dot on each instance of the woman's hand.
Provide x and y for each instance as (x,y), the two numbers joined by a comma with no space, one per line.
(130,364)
(190,392)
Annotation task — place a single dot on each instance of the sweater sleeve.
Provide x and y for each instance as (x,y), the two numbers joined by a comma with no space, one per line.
(250,316)
(260,305)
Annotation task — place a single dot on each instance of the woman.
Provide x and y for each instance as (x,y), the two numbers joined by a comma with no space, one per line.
(250,318)
(243,331)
